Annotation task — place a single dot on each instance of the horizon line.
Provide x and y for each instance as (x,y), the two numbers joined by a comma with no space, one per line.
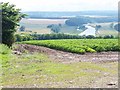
(72,11)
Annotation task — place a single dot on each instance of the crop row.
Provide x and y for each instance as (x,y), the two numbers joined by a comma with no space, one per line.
(79,45)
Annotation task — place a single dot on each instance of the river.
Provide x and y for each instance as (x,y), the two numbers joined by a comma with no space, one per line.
(89,31)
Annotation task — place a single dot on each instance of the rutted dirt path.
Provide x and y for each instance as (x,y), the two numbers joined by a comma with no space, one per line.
(66,57)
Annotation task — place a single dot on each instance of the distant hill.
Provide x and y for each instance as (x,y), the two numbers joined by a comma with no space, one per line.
(64,15)
(77,21)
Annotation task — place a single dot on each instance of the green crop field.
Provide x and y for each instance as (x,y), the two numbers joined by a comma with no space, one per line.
(79,45)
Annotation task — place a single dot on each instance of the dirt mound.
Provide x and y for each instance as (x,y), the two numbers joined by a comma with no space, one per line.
(66,57)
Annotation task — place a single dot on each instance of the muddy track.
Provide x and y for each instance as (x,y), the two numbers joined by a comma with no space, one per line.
(66,57)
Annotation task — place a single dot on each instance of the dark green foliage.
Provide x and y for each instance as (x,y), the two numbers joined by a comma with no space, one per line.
(10,19)
(90,37)
(77,21)
(8,38)
(108,36)
(117,27)
(25,37)
(82,27)
(50,26)
(55,28)
(98,27)
(104,19)
(18,37)
(84,20)
(60,25)
(22,28)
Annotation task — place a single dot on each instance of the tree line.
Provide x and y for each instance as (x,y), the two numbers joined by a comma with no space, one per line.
(27,37)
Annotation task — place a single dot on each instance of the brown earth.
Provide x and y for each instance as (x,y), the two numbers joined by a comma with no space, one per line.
(66,57)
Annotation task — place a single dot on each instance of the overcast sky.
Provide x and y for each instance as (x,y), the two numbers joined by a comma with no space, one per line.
(64,5)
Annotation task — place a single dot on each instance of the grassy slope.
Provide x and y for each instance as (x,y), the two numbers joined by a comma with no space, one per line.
(5,54)
(106,29)
(37,70)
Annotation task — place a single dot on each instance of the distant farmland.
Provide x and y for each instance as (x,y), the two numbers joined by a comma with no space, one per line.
(40,26)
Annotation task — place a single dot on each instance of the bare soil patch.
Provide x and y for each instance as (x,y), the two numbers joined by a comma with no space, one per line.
(66,57)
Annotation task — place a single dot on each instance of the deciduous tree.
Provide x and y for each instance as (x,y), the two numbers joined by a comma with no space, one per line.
(10,20)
